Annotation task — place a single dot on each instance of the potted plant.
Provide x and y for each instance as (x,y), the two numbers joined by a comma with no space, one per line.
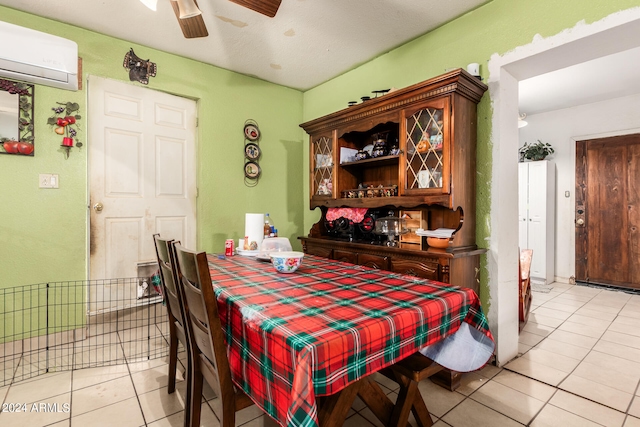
(535,151)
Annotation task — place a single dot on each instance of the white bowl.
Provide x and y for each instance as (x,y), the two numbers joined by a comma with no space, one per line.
(286,262)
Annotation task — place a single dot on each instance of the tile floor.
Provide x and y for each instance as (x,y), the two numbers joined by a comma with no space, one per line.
(579,365)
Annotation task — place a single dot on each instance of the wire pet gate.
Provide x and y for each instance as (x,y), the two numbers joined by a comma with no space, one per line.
(62,326)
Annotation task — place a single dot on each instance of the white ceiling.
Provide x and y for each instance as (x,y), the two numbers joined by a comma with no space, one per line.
(608,77)
(307,43)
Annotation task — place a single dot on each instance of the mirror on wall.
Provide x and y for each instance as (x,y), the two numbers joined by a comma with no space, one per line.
(16,118)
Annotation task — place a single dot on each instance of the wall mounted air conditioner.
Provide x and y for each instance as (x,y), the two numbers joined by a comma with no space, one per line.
(36,57)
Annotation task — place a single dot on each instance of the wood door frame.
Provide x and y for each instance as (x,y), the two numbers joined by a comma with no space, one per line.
(581,210)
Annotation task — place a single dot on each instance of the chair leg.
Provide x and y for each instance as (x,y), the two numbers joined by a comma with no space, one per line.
(196,397)
(188,399)
(173,358)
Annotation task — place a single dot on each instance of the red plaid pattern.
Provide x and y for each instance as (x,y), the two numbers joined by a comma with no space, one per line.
(296,336)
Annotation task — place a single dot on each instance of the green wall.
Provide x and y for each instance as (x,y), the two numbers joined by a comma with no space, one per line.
(496,27)
(43,233)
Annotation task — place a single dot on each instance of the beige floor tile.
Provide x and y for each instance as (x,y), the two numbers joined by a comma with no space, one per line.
(473,414)
(550,312)
(439,401)
(553,360)
(588,409)
(122,414)
(568,350)
(619,350)
(356,420)
(207,419)
(529,339)
(572,338)
(538,329)
(518,406)
(589,321)
(552,416)
(632,422)
(101,395)
(533,388)
(153,363)
(86,357)
(158,404)
(599,393)
(523,348)
(545,320)
(441,423)
(594,314)
(40,388)
(243,416)
(470,382)
(154,378)
(623,366)
(63,423)
(632,311)
(635,407)
(36,416)
(577,328)
(489,371)
(599,307)
(91,376)
(3,393)
(536,371)
(573,299)
(623,326)
(607,376)
(622,338)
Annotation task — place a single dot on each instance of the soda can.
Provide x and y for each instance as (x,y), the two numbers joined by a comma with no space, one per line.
(228,247)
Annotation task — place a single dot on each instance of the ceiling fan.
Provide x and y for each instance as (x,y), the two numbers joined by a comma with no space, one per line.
(190,17)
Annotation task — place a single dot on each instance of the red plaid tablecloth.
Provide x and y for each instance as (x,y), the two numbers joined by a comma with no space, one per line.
(293,337)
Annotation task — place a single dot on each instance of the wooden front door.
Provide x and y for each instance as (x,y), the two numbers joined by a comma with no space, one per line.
(608,211)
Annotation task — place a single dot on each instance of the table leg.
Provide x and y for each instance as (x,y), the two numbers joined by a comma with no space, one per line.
(447,379)
(333,409)
(379,403)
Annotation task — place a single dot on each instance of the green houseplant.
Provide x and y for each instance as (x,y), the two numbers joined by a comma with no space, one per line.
(535,151)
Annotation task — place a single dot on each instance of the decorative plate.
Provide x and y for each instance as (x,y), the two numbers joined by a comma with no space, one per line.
(251,132)
(252,151)
(251,170)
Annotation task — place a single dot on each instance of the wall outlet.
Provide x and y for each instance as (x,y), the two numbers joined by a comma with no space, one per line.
(48,180)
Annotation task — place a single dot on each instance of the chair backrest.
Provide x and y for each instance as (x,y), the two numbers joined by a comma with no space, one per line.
(201,310)
(164,252)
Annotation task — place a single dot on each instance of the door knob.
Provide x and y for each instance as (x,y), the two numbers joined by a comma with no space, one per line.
(580,222)
(98,207)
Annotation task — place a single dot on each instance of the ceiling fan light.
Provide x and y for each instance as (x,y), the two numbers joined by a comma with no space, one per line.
(151,4)
(188,9)
(521,122)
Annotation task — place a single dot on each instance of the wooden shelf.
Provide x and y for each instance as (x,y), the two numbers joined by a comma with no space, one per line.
(375,162)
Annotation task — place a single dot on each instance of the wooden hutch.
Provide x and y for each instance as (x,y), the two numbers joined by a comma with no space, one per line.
(427,175)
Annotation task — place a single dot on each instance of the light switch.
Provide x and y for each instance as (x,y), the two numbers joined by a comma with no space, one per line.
(48,180)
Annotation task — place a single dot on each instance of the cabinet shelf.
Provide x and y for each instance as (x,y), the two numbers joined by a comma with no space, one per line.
(375,162)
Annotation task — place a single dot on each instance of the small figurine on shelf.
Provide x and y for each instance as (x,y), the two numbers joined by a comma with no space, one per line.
(379,146)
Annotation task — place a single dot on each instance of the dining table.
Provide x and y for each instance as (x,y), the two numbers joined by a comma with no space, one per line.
(295,340)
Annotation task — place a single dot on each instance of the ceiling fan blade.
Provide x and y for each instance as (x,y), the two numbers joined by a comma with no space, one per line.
(191,27)
(265,7)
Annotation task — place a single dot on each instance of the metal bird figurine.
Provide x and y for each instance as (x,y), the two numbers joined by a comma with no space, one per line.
(139,69)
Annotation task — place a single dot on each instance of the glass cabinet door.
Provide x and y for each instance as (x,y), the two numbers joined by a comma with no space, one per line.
(427,141)
(322,172)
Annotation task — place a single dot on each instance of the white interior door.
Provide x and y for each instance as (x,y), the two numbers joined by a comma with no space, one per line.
(538,217)
(142,174)
(523,202)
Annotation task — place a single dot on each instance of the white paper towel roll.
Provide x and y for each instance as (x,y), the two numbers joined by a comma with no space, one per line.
(254,228)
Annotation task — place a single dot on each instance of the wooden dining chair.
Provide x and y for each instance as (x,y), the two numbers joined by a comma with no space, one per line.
(175,312)
(524,291)
(208,348)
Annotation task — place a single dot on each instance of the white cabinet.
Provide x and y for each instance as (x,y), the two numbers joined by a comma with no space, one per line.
(536,216)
